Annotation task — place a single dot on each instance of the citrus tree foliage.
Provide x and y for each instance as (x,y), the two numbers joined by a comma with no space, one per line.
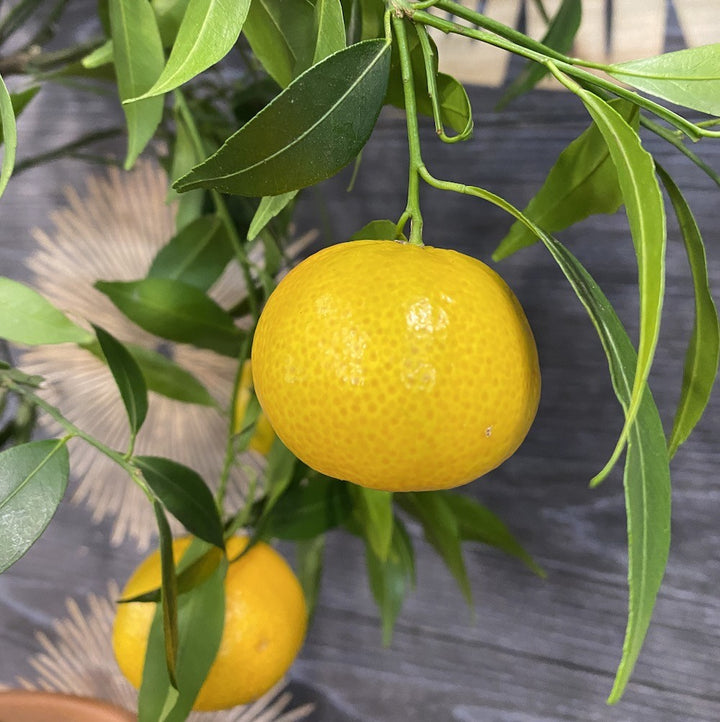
(256,100)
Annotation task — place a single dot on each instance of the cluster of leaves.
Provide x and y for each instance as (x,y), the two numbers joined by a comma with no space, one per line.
(305,82)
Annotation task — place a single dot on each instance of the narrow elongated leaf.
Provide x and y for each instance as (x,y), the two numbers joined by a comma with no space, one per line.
(477,523)
(647,475)
(441,530)
(169,15)
(703,353)
(27,317)
(390,578)
(646,216)
(582,182)
(168,593)
(208,31)
(165,377)
(197,255)
(689,77)
(9,130)
(373,511)
(20,101)
(268,208)
(329,29)
(281,37)
(382,230)
(139,60)
(33,478)
(308,508)
(184,157)
(201,617)
(317,125)
(559,36)
(309,556)
(176,311)
(185,495)
(128,377)
(455,109)
(99,57)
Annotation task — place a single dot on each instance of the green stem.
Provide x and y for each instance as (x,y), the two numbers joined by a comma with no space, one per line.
(229,459)
(243,515)
(412,210)
(220,206)
(430,66)
(74,431)
(547,57)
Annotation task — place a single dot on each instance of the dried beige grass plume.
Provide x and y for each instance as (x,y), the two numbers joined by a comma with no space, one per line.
(112,232)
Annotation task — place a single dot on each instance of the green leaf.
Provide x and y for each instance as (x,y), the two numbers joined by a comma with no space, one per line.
(169,15)
(184,157)
(207,33)
(309,567)
(99,57)
(646,216)
(383,230)
(168,593)
(477,523)
(9,131)
(26,317)
(647,475)
(582,182)
(703,353)
(689,77)
(559,36)
(391,577)
(165,377)
(176,311)
(317,125)
(309,506)
(139,60)
(441,531)
(197,255)
(128,377)
(329,29)
(19,102)
(281,37)
(33,478)
(268,208)
(201,617)
(373,510)
(455,109)
(185,495)
(279,472)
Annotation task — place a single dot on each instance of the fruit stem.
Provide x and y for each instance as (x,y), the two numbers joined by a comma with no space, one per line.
(221,207)
(412,209)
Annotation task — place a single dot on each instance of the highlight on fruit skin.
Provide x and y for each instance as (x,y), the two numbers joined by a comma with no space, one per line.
(396,366)
(265,623)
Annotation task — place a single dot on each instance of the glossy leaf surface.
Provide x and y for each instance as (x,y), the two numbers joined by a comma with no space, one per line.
(185,495)
(27,317)
(139,60)
(176,311)
(197,255)
(200,625)
(128,377)
(208,31)
(582,182)
(689,77)
(703,353)
(311,130)
(33,478)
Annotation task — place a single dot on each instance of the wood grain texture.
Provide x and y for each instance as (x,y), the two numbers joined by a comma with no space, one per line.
(535,650)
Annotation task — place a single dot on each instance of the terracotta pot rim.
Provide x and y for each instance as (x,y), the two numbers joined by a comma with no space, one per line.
(15,700)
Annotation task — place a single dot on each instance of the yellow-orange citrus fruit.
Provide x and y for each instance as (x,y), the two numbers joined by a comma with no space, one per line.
(263,436)
(396,366)
(265,623)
